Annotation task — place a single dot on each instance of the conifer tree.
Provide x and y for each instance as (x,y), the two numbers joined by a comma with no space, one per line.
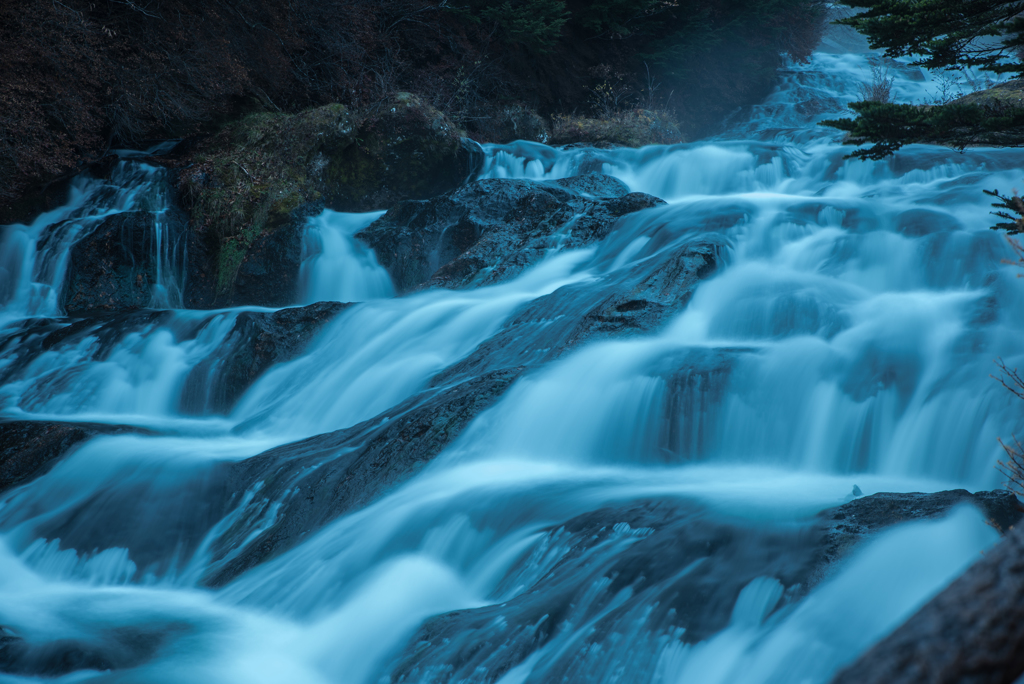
(945,34)
(940,34)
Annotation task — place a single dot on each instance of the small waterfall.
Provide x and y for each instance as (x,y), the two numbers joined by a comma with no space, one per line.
(336,266)
(34,258)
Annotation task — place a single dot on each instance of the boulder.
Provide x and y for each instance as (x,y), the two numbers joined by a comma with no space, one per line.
(250,189)
(491,230)
(973,631)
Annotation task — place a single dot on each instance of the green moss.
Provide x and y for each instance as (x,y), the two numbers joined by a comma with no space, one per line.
(250,178)
(229,259)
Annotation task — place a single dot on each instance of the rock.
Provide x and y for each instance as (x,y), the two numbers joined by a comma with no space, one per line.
(594,185)
(491,230)
(321,478)
(111,650)
(628,302)
(114,267)
(268,274)
(257,341)
(973,631)
(849,524)
(629,576)
(636,574)
(29,449)
(250,189)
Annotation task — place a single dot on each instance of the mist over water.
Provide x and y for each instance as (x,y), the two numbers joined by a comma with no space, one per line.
(847,338)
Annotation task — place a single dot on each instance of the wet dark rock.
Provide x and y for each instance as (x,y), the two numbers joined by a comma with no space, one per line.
(594,185)
(665,565)
(323,477)
(119,649)
(852,522)
(29,449)
(973,631)
(115,266)
(257,341)
(626,302)
(491,230)
(641,572)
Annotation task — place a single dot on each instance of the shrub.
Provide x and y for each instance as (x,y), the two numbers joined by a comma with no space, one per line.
(1013,467)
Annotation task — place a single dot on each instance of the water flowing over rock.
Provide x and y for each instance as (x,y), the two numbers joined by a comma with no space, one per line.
(28,449)
(739,434)
(601,567)
(971,632)
(256,342)
(492,230)
(250,189)
(116,267)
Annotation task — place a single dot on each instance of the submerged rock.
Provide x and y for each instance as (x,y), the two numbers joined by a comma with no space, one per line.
(250,189)
(111,650)
(320,478)
(616,584)
(491,230)
(29,449)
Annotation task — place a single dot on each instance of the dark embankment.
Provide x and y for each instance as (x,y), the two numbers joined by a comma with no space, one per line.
(78,78)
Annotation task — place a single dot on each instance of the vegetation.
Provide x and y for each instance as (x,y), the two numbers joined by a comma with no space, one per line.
(1013,467)
(79,77)
(888,126)
(945,34)
(948,35)
(536,24)
(632,128)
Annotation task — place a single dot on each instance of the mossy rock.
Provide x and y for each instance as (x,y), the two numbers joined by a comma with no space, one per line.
(268,172)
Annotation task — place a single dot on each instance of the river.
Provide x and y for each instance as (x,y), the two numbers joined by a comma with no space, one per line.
(846,339)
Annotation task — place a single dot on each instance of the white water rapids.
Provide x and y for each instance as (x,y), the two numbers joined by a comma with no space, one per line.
(856,321)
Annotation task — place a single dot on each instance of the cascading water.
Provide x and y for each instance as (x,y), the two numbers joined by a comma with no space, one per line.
(846,338)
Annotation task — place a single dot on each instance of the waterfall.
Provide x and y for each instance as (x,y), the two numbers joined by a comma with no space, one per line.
(623,509)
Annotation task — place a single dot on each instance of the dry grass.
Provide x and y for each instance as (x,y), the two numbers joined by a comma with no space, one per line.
(1013,467)
(633,128)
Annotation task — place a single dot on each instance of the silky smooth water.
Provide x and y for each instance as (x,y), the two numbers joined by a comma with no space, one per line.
(850,333)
